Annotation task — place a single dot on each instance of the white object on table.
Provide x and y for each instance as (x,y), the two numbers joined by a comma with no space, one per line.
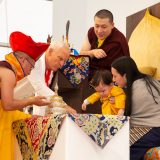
(73,144)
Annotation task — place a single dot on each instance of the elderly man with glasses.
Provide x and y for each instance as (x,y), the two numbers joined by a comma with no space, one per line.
(40,77)
(15,67)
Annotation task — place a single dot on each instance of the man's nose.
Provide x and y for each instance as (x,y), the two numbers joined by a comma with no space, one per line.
(99,30)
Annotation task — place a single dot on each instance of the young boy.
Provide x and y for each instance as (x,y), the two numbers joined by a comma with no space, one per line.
(112,97)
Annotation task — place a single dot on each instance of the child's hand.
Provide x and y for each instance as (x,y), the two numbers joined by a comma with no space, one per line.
(84,107)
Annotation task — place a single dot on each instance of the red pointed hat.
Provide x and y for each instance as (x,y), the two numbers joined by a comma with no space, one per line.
(21,42)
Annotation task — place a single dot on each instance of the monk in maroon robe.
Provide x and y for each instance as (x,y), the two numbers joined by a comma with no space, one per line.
(104,43)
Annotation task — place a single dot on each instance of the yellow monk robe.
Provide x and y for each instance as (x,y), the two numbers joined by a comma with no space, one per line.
(6,133)
(7,136)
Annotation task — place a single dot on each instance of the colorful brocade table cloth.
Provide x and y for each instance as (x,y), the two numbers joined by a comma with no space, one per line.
(37,135)
(76,69)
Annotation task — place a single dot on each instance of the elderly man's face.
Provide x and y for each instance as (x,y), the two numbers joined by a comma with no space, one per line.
(27,64)
(57,59)
(102,27)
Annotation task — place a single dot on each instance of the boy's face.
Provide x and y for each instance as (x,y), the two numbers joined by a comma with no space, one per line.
(103,89)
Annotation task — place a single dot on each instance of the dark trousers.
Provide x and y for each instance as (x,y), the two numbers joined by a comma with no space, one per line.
(149,140)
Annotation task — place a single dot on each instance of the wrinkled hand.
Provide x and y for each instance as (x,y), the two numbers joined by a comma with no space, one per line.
(70,110)
(98,53)
(84,107)
(40,101)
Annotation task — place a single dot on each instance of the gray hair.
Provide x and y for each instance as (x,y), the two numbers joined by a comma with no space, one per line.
(58,45)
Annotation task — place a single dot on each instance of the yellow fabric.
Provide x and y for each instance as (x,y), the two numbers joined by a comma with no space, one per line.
(148,70)
(144,43)
(107,107)
(12,60)
(100,42)
(6,132)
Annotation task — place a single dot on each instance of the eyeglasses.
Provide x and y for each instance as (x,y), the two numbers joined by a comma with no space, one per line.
(32,65)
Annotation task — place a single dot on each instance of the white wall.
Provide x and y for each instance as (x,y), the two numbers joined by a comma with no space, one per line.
(81,13)
(120,9)
(40,17)
(73,10)
(33,17)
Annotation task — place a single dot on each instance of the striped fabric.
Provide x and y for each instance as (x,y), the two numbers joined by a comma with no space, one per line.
(137,132)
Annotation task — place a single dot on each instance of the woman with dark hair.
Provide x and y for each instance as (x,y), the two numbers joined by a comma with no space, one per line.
(142,105)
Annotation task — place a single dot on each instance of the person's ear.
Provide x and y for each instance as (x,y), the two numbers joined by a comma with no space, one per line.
(125,77)
(50,51)
(112,25)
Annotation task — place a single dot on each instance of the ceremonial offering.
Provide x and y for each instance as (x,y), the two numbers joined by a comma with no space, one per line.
(57,106)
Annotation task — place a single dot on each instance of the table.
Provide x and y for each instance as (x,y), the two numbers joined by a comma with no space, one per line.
(70,137)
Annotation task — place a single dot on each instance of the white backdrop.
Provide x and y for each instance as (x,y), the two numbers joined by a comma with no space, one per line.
(41,17)
(33,17)
(81,13)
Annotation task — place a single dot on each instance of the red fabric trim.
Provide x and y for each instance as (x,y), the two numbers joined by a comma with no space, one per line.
(47,76)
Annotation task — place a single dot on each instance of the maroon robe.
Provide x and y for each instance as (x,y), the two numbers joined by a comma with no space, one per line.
(6,65)
(115,45)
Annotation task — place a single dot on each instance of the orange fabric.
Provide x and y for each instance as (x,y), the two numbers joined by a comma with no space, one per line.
(11,59)
(21,42)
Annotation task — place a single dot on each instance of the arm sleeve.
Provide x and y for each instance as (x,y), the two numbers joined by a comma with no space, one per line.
(86,102)
(23,89)
(37,80)
(93,98)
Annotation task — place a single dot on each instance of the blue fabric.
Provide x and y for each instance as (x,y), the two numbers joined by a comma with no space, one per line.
(76,69)
(75,52)
(150,140)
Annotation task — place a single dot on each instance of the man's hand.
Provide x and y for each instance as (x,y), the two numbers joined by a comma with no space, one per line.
(40,101)
(70,110)
(98,53)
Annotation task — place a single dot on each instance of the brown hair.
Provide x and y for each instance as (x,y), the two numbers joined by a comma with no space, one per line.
(103,76)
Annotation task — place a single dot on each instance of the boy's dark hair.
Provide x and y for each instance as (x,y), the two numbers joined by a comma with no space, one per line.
(104,13)
(103,76)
